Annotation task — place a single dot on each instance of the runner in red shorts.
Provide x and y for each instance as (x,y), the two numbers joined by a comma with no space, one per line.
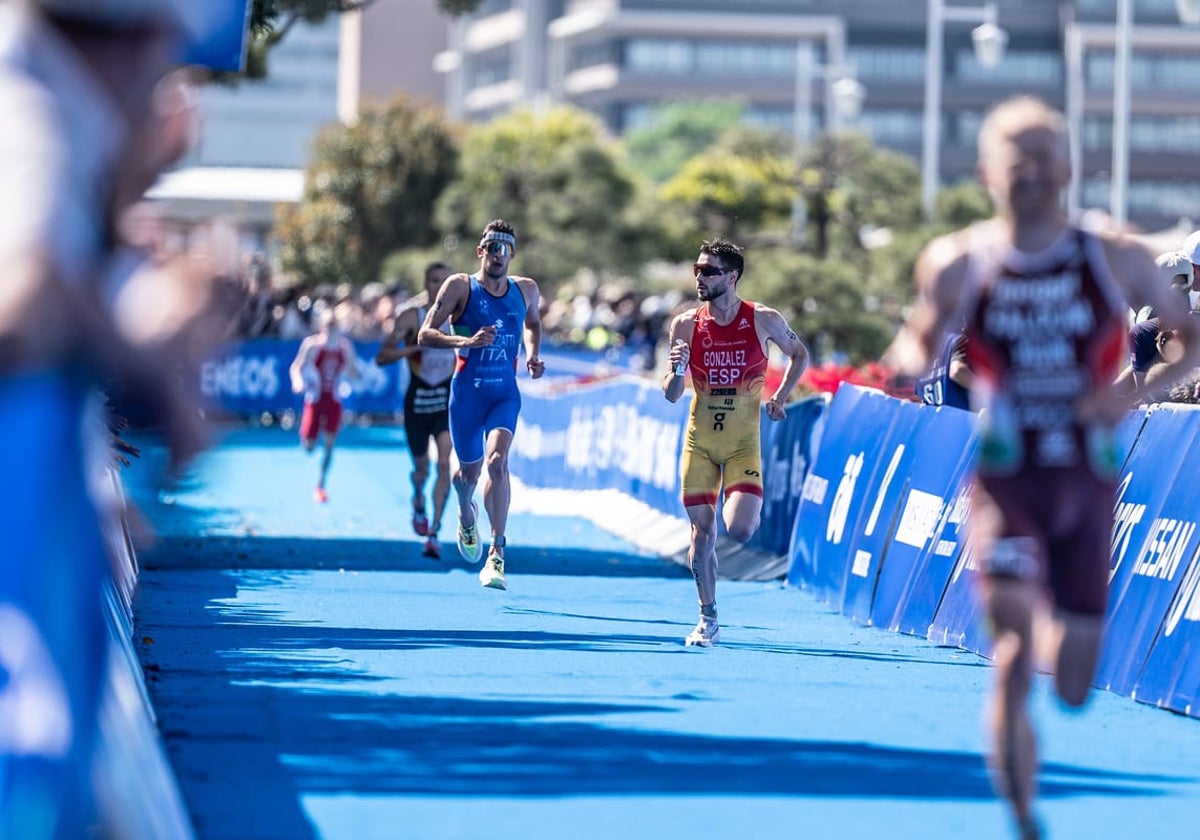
(1044,302)
(323,361)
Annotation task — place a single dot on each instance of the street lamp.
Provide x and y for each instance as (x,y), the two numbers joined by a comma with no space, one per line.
(844,96)
(989,41)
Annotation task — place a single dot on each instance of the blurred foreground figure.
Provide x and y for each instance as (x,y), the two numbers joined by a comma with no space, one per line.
(90,119)
(1044,304)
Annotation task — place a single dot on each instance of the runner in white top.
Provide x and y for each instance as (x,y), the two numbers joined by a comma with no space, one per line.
(426,405)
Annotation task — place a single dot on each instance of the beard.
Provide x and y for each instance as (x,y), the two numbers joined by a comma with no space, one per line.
(495,273)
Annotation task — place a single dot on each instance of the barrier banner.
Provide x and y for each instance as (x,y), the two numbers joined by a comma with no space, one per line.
(1154,535)
(921,550)
(876,520)
(787,453)
(251,378)
(1171,675)
(857,421)
(616,434)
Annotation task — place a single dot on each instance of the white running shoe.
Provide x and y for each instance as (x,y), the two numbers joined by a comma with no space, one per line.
(706,634)
(492,573)
(468,538)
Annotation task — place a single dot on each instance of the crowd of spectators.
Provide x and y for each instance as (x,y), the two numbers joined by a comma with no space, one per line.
(613,319)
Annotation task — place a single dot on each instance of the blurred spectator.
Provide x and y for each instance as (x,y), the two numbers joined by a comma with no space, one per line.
(1147,339)
(91,119)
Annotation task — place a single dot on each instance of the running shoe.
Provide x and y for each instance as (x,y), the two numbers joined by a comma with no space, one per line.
(492,573)
(706,634)
(432,549)
(468,538)
(320,496)
(420,523)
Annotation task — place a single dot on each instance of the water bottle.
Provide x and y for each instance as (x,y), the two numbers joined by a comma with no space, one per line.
(681,367)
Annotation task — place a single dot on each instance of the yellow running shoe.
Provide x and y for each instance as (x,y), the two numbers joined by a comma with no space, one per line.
(492,573)
(468,538)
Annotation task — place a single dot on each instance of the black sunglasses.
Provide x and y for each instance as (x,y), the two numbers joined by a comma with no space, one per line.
(498,248)
(707,270)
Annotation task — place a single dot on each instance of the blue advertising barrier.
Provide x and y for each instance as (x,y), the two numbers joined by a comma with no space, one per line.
(1154,533)
(787,453)
(251,378)
(615,434)
(921,550)
(877,516)
(857,421)
(1171,676)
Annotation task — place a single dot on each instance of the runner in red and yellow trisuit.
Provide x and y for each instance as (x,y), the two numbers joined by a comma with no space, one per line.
(723,344)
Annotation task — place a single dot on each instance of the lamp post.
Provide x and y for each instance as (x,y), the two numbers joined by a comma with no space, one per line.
(844,95)
(989,40)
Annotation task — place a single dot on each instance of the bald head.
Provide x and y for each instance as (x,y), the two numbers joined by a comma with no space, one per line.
(1023,157)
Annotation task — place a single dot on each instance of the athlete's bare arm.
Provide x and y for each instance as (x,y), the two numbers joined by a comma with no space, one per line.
(296,371)
(533,326)
(1134,270)
(354,365)
(402,341)
(940,276)
(451,301)
(774,327)
(683,326)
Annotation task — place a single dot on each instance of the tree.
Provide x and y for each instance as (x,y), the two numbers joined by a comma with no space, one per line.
(848,185)
(560,181)
(740,188)
(679,132)
(369,190)
(961,204)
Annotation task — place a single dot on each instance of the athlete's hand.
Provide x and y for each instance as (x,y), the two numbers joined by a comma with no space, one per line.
(775,409)
(483,336)
(1107,407)
(680,354)
(536,367)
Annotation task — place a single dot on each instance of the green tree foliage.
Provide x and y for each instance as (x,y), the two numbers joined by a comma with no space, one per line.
(368,191)
(740,188)
(679,132)
(962,204)
(849,185)
(560,181)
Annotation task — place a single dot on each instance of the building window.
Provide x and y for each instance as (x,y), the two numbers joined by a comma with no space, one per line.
(1148,71)
(1021,67)
(1147,199)
(887,64)
(1159,134)
(680,56)
(891,126)
(592,55)
(490,70)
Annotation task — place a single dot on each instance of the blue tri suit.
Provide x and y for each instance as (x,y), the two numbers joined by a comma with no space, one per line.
(483,393)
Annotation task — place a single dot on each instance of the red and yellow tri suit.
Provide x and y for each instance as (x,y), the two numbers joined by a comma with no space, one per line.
(721,443)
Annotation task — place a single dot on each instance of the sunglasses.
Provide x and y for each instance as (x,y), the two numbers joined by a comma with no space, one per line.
(501,248)
(707,270)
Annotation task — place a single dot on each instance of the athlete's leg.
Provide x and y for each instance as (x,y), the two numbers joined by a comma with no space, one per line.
(1011,605)
(702,554)
(327,458)
(441,485)
(1072,646)
(742,513)
(497,489)
(464,480)
(418,476)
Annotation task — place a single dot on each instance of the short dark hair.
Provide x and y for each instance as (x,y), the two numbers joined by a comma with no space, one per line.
(727,252)
(499,226)
(434,266)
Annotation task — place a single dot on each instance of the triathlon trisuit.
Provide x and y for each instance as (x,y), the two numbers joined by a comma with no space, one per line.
(728,369)
(483,393)
(1043,331)
(323,410)
(427,400)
